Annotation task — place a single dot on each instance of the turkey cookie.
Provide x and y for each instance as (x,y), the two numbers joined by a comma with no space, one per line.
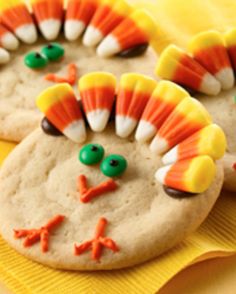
(89,192)
(89,24)
(209,70)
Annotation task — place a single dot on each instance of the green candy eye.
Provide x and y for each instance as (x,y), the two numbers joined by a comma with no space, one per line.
(113,165)
(53,51)
(35,60)
(91,154)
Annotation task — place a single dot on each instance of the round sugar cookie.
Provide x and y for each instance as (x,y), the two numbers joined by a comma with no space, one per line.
(38,182)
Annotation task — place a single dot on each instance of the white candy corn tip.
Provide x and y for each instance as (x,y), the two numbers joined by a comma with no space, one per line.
(159,145)
(125,126)
(108,47)
(210,85)
(161,173)
(145,131)
(76,131)
(27,33)
(226,78)
(9,41)
(92,37)
(4,56)
(50,28)
(98,119)
(171,156)
(73,29)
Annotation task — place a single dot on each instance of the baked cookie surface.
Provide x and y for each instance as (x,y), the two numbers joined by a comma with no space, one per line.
(39,182)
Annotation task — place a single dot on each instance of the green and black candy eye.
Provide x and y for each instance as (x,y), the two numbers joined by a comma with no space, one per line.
(113,165)
(35,60)
(53,51)
(91,154)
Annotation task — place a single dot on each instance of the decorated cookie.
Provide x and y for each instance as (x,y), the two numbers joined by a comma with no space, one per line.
(209,69)
(97,198)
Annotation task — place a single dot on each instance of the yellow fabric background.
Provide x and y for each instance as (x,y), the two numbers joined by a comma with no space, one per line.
(178,20)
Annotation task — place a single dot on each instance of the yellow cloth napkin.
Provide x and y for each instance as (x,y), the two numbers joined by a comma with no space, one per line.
(178,20)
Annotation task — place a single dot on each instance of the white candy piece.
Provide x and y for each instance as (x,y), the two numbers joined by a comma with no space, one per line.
(159,145)
(226,78)
(92,36)
(73,29)
(27,33)
(50,28)
(76,131)
(124,125)
(145,131)
(210,85)
(4,56)
(171,156)
(108,47)
(161,173)
(98,119)
(9,41)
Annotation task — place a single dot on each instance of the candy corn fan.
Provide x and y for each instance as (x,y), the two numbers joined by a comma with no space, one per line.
(170,40)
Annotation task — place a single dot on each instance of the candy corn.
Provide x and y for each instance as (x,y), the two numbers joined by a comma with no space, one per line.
(16,17)
(97,92)
(108,15)
(209,50)
(7,39)
(175,65)
(209,141)
(61,108)
(78,15)
(188,117)
(133,95)
(138,28)
(49,17)
(163,101)
(4,56)
(230,39)
(193,175)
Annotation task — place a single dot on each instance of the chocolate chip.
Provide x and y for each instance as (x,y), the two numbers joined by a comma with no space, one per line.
(177,193)
(49,128)
(134,51)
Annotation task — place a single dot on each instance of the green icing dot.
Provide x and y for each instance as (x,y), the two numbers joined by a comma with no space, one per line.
(113,165)
(53,51)
(35,60)
(91,154)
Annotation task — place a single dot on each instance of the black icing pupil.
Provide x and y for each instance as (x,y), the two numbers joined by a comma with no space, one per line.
(37,55)
(50,46)
(94,148)
(114,162)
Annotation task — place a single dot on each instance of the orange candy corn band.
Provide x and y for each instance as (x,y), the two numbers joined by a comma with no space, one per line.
(35,235)
(106,19)
(218,58)
(59,121)
(23,17)
(232,54)
(129,34)
(182,130)
(157,112)
(81,10)
(107,95)
(96,245)
(182,72)
(45,8)
(131,103)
